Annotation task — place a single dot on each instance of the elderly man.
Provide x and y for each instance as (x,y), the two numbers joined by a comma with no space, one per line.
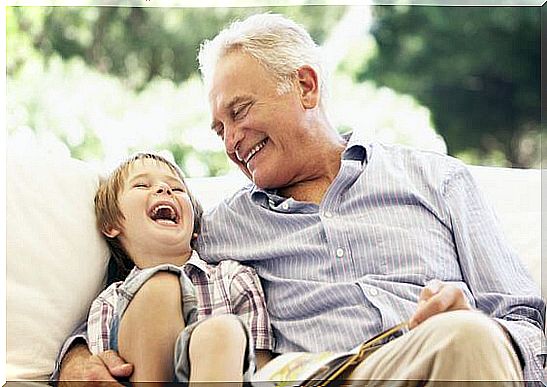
(350,238)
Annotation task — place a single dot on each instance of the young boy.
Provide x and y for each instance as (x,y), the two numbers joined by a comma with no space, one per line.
(173,317)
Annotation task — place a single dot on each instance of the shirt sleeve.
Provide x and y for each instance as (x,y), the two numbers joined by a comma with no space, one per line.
(497,278)
(248,302)
(79,334)
(99,320)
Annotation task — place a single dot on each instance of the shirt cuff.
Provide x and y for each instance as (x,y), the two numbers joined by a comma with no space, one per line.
(530,347)
(78,336)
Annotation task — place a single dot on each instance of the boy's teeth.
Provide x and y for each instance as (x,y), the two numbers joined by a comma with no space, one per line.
(169,217)
(165,221)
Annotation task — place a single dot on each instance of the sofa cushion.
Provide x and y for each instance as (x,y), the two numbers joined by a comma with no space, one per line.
(515,195)
(56,260)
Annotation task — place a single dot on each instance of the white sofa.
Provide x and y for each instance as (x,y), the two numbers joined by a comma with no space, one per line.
(56,259)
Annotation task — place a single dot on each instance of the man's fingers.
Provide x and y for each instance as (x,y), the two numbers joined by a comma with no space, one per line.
(431,288)
(426,309)
(94,374)
(447,298)
(115,364)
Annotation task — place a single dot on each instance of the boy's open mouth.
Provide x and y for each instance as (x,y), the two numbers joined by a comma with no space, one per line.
(164,213)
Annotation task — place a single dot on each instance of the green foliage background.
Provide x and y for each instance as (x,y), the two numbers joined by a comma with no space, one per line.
(82,73)
(476,68)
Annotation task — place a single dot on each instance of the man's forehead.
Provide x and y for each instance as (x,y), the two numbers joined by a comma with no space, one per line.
(233,73)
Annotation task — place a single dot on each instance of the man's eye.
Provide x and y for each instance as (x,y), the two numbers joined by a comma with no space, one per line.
(178,189)
(220,131)
(140,185)
(241,111)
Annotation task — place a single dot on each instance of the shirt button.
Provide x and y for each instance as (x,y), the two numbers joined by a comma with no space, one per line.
(373,292)
(339,252)
(285,206)
(328,214)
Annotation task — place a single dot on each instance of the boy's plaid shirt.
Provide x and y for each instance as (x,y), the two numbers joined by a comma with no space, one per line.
(226,288)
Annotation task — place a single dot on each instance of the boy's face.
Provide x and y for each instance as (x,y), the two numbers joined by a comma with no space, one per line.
(159,217)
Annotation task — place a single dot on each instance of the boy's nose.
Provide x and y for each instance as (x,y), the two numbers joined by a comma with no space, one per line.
(163,189)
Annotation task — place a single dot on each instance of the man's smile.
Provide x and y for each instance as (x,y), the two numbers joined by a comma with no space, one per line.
(253,151)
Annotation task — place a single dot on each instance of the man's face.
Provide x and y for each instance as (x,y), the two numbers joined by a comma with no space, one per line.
(158,213)
(266,134)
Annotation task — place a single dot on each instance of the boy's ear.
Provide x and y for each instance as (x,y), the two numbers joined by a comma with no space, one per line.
(111,231)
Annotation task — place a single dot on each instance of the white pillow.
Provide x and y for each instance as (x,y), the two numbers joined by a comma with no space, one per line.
(515,195)
(56,259)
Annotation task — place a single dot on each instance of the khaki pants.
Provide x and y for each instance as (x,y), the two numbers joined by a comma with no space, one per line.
(449,349)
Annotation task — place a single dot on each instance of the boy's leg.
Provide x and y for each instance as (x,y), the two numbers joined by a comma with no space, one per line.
(150,326)
(217,350)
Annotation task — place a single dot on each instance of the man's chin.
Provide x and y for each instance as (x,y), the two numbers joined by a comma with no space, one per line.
(265,183)
(261,179)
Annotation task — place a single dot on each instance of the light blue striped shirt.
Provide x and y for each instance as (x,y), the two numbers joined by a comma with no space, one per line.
(394,218)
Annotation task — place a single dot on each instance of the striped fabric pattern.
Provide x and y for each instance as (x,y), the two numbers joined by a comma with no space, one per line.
(226,288)
(393,219)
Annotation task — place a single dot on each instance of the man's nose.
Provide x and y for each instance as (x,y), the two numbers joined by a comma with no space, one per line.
(163,189)
(232,138)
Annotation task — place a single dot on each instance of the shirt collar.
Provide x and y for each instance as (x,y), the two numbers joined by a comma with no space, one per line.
(357,149)
(196,263)
(193,263)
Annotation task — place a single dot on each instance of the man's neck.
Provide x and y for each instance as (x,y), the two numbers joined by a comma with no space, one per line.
(314,189)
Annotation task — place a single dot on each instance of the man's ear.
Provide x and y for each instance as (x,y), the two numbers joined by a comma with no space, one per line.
(111,231)
(309,86)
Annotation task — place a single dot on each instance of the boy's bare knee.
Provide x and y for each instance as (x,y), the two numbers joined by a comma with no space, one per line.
(161,286)
(219,332)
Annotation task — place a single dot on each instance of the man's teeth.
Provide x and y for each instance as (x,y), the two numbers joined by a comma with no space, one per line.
(253,151)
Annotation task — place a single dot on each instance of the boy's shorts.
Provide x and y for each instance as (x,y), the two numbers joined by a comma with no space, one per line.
(127,291)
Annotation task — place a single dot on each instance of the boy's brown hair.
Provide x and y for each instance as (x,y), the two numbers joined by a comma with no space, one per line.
(108,212)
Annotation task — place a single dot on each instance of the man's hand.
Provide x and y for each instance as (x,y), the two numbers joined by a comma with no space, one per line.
(438,297)
(80,365)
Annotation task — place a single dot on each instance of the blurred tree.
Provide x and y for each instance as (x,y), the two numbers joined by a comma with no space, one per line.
(476,68)
(138,44)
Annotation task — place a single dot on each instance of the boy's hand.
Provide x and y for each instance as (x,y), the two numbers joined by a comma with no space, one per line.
(100,370)
(438,297)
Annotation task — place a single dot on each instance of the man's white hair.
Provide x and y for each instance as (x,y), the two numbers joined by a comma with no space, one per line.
(278,43)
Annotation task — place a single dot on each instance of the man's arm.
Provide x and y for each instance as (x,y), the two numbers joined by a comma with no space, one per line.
(499,282)
(80,365)
(75,360)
